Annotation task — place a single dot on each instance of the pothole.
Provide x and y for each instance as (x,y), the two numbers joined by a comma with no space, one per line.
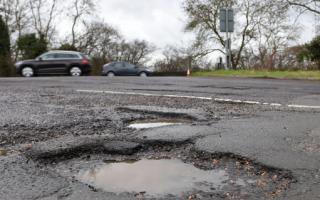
(175,171)
(156,178)
(140,126)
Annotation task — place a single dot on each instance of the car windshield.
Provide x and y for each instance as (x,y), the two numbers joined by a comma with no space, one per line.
(41,56)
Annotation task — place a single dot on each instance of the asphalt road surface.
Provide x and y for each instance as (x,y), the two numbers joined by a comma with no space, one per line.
(264,132)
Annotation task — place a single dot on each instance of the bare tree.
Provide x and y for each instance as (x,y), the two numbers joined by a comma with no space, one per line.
(174,61)
(135,52)
(180,59)
(309,5)
(6,11)
(43,14)
(204,19)
(274,33)
(98,39)
(80,8)
(15,13)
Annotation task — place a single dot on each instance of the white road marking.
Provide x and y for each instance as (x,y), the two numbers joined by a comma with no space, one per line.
(276,104)
(90,91)
(220,100)
(304,106)
(227,100)
(251,102)
(145,94)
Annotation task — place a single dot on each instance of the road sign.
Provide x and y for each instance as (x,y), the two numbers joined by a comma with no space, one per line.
(226,20)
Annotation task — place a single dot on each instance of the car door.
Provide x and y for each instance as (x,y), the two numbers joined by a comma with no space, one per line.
(120,69)
(132,70)
(45,63)
(62,62)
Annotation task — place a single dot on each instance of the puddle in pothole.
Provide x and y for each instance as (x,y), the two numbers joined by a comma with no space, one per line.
(151,125)
(154,177)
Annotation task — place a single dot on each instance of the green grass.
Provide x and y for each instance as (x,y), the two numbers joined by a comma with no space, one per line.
(312,75)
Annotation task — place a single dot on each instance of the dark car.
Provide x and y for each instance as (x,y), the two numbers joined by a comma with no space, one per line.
(124,69)
(54,63)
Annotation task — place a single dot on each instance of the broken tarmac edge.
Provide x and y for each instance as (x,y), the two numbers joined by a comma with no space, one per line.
(70,147)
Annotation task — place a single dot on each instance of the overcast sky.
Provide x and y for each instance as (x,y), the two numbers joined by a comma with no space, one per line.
(158,21)
(161,22)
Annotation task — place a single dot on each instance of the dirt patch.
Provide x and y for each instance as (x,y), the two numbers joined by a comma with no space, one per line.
(4,152)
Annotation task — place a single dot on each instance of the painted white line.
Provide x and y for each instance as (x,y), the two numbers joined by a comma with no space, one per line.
(276,104)
(227,101)
(220,100)
(188,97)
(304,106)
(90,91)
(251,102)
(144,94)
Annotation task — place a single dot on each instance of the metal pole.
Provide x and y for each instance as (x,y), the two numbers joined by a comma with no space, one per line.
(227,41)
(230,53)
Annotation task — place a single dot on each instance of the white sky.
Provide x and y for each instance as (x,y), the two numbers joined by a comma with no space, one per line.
(161,22)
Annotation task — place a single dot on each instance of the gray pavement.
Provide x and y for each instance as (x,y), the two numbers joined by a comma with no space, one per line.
(50,117)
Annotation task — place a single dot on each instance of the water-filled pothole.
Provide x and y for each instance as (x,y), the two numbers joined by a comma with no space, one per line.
(212,176)
(155,178)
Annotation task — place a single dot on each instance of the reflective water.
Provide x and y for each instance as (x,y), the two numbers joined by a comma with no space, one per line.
(150,125)
(155,177)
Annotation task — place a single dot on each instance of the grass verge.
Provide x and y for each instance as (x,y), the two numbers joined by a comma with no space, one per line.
(309,75)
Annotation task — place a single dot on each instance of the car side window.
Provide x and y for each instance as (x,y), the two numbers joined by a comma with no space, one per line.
(73,56)
(67,56)
(130,66)
(119,65)
(49,56)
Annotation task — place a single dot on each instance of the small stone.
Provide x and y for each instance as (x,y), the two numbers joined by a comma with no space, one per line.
(261,183)
(28,146)
(275,178)
(264,174)
(216,162)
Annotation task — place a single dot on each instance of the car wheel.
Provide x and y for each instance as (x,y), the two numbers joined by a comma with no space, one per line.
(111,74)
(143,74)
(27,72)
(75,71)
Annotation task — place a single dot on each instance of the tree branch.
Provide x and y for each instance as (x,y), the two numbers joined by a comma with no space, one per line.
(305,6)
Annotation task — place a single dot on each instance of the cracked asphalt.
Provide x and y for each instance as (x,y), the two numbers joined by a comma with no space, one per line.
(49,131)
